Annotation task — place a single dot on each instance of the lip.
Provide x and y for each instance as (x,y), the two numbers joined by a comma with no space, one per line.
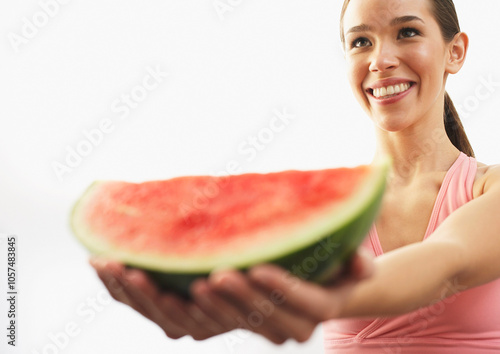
(389,82)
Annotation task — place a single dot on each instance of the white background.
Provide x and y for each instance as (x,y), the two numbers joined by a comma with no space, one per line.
(227,74)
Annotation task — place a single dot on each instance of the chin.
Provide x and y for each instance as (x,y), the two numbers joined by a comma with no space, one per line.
(391,124)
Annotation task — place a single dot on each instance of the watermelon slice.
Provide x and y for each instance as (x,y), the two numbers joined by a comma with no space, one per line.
(179,229)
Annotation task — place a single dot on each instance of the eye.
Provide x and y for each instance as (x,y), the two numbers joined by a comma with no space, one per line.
(408,32)
(360,42)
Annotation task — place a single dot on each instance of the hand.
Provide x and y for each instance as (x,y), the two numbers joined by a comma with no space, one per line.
(267,300)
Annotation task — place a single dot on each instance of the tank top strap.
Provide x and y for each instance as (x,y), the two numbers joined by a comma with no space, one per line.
(455,191)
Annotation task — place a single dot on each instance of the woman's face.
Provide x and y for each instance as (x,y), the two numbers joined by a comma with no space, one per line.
(396,59)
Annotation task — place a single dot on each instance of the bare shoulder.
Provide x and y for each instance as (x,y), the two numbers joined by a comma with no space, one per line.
(486,177)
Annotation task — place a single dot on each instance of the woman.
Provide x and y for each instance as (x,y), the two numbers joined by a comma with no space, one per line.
(435,287)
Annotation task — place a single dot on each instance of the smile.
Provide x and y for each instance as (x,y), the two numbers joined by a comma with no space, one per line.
(390,91)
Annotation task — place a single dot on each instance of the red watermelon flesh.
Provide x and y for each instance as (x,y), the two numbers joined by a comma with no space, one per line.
(165,217)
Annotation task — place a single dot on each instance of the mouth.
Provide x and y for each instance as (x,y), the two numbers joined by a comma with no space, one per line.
(389,91)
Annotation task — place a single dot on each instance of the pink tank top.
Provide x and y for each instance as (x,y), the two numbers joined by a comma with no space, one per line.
(467,322)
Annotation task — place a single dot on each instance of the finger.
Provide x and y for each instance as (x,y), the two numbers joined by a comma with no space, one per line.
(142,291)
(133,288)
(189,315)
(215,306)
(263,315)
(175,316)
(111,274)
(120,282)
(238,295)
(204,326)
(309,299)
(221,308)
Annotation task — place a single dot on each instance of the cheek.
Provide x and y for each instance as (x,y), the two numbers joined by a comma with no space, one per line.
(357,73)
(426,63)
(356,76)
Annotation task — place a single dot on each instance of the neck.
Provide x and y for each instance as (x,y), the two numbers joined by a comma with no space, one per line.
(416,151)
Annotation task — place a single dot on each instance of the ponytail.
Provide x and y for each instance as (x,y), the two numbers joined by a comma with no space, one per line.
(454,127)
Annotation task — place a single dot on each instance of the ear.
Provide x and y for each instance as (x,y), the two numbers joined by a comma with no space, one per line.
(457,51)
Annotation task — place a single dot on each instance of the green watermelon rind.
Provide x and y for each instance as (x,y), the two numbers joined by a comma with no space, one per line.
(301,254)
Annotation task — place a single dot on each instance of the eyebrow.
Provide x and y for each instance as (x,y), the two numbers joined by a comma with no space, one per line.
(396,21)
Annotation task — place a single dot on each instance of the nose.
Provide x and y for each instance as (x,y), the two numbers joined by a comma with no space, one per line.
(384,58)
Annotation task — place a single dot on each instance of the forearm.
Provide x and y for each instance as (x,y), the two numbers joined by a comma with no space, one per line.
(405,280)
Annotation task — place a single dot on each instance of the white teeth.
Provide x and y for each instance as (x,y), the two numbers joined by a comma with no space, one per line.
(390,90)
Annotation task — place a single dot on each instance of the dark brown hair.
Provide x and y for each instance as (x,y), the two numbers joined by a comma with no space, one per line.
(446,16)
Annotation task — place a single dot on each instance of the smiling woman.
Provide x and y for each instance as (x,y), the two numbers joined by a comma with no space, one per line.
(436,283)
(399,56)
(409,29)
